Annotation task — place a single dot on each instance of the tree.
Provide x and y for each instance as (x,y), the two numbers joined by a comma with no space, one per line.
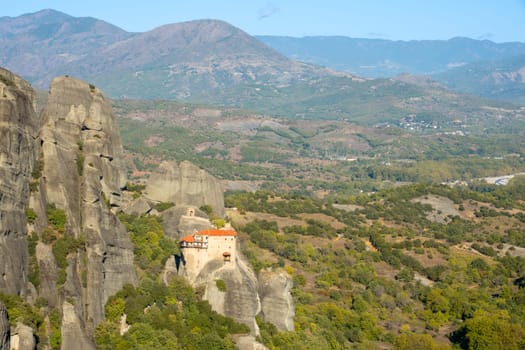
(493,331)
(415,341)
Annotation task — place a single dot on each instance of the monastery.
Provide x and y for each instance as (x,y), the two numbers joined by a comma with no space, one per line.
(201,247)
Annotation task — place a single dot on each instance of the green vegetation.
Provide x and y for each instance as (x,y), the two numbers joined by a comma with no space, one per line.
(34,270)
(36,173)
(80,163)
(136,189)
(56,217)
(163,206)
(55,320)
(390,274)
(20,311)
(167,317)
(152,247)
(310,155)
(30,215)
(221,285)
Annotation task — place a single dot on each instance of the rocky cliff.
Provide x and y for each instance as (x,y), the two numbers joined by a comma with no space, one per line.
(64,172)
(240,299)
(82,175)
(18,128)
(185,184)
(5,333)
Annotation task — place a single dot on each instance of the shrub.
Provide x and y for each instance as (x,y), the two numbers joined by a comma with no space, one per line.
(164,206)
(221,285)
(80,163)
(56,217)
(207,209)
(30,215)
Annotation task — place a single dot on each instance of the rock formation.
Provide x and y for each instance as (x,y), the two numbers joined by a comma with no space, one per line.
(5,333)
(22,338)
(182,220)
(211,259)
(70,162)
(18,127)
(78,171)
(185,184)
(277,306)
(137,207)
(83,175)
(240,300)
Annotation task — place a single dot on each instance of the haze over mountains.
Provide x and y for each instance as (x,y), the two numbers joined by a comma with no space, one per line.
(479,67)
(211,61)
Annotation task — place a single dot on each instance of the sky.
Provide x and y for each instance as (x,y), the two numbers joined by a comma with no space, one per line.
(495,20)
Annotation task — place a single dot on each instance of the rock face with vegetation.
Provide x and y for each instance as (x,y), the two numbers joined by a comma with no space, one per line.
(81,182)
(17,130)
(185,184)
(62,181)
(231,289)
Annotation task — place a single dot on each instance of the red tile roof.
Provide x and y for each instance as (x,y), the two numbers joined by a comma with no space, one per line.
(189,239)
(217,233)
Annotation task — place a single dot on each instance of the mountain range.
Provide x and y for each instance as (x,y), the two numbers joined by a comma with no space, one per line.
(479,67)
(210,61)
(379,58)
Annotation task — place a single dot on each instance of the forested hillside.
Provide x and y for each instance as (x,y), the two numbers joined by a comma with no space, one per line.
(419,265)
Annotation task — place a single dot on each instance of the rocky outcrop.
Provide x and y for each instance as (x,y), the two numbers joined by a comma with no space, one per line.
(48,274)
(22,338)
(137,207)
(83,175)
(244,296)
(240,300)
(185,184)
(182,220)
(5,330)
(277,306)
(18,127)
(80,171)
(248,342)
(73,334)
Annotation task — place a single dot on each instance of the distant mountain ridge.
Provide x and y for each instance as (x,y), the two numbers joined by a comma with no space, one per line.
(36,44)
(502,79)
(179,58)
(386,58)
(480,67)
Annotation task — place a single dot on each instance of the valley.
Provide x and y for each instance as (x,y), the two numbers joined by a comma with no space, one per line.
(190,187)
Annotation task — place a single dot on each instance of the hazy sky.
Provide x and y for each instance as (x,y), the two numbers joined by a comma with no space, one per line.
(496,20)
